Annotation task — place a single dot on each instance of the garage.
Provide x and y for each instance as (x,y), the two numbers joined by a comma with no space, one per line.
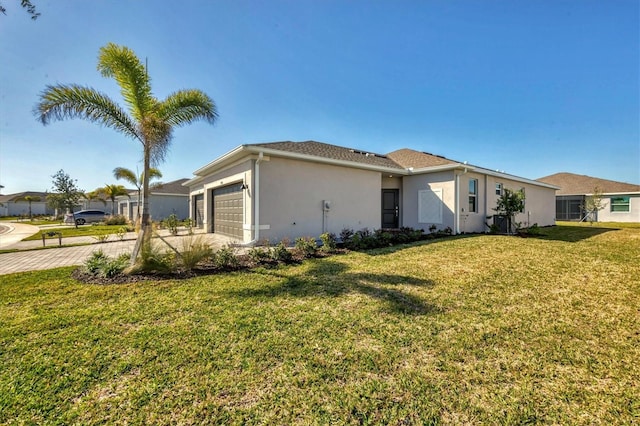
(198,203)
(228,211)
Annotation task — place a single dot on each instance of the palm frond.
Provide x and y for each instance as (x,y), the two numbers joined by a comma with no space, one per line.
(126,174)
(73,101)
(186,106)
(122,64)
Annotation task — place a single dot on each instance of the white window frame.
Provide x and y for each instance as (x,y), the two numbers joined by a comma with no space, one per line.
(474,196)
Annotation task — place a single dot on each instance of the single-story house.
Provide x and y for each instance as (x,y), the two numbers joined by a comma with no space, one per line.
(620,201)
(16,205)
(291,189)
(165,199)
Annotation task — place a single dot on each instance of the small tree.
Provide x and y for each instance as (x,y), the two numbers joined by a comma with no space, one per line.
(65,194)
(137,181)
(592,205)
(509,204)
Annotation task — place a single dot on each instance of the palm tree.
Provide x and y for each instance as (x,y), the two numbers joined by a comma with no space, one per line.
(29,199)
(111,192)
(137,181)
(148,120)
(94,196)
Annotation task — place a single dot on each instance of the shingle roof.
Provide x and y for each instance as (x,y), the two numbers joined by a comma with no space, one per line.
(573,184)
(407,158)
(173,187)
(12,197)
(334,152)
(400,159)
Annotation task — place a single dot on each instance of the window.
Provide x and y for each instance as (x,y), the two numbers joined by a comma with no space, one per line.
(619,204)
(499,189)
(473,195)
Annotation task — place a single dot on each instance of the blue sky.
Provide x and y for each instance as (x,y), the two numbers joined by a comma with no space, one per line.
(528,87)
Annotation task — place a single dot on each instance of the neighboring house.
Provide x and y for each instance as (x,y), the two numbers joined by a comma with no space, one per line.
(621,201)
(165,199)
(15,205)
(291,189)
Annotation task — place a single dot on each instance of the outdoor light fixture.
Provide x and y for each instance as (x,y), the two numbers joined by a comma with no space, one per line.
(244,186)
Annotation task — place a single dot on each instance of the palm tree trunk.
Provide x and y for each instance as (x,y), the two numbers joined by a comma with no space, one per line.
(144,236)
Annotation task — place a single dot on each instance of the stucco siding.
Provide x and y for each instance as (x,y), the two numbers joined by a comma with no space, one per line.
(539,207)
(633,215)
(162,206)
(412,185)
(292,192)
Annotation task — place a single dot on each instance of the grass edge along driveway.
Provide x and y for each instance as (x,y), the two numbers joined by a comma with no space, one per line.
(480,330)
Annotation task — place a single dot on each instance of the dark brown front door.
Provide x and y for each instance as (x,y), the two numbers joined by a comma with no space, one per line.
(390,208)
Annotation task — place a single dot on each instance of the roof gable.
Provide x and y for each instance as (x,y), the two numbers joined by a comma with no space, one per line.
(409,158)
(574,184)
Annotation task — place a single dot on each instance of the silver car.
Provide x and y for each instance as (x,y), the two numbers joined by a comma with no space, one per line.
(88,216)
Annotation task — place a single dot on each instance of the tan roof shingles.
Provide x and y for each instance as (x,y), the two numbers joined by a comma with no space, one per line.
(334,152)
(407,158)
(573,184)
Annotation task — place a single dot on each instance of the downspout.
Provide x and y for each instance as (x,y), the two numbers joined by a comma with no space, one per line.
(456,231)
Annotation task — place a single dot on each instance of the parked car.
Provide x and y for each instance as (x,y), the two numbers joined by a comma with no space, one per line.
(89,216)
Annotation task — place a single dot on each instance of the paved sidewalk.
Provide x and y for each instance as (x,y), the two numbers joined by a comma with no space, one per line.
(27,259)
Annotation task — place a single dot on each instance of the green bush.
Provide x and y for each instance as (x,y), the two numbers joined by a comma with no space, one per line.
(171,223)
(225,258)
(346,235)
(116,220)
(154,260)
(307,247)
(259,254)
(281,253)
(329,242)
(99,264)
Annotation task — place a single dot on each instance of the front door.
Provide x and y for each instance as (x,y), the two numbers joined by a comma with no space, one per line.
(390,208)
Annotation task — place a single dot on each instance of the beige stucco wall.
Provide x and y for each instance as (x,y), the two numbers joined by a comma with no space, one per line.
(633,215)
(291,195)
(431,181)
(240,172)
(540,204)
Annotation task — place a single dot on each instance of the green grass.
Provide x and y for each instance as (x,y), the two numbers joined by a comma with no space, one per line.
(468,330)
(81,231)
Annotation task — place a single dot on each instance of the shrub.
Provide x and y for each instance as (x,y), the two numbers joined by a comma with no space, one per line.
(281,253)
(194,250)
(99,264)
(329,243)
(153,259)
(383,238)
(259,254)
(346,235)
(116,220)
(307,247)
(171,223)
(225,258)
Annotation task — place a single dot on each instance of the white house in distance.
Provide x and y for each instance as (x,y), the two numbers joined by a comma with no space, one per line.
(165,199)
(16,205)
(621,201)
(291,189)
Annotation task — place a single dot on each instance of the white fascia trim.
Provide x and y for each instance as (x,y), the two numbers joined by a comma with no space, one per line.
(316,159)
(442,168)
(516,178)
(168,193)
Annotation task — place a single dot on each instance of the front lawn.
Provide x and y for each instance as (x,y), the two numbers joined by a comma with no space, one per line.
(80,231)
(467,330)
